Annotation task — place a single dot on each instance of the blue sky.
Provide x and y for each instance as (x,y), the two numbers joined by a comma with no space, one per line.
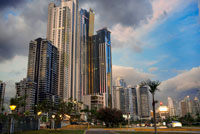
(175,45)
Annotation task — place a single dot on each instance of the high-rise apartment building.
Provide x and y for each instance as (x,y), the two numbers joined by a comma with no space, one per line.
(2,94)
(27,90)
(188,107)
(125,99)
(100,65)
(196,105)
(119,98)
(143,102)
(133,102)
(171,107)
(183,108)
(43,69)
(62,30)
(86,30)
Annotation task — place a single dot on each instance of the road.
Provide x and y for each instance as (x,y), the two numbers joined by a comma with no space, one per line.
(99,131)
(111,131)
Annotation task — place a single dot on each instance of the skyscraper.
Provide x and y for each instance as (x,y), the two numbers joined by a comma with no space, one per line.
(2,94)
(42,69)
(119,98)
(62,31)
(86,30)
(133,102)
(125,99)
(171,107)
(183,108)
(143,102)
(196,105)
(100,65)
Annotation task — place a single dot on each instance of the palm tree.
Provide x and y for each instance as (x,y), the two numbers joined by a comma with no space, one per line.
(153,87)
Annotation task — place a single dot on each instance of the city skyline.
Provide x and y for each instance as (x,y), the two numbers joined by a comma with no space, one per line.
(157,60)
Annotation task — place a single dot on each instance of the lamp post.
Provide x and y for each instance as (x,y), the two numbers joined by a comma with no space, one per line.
(128,116)
(38,115)
(53,121)
(11,129)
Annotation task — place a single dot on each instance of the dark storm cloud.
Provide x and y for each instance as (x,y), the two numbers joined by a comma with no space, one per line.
(31,19)
(125,12)
(10,3)
(17,31)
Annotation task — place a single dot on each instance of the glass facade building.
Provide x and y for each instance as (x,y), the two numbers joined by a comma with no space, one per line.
(100,65)
(143,102)
(43,69)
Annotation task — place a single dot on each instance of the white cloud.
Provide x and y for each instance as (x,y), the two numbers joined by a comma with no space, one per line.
(128,36)
(13,71)
(131,75)
(187,81)
(152,69)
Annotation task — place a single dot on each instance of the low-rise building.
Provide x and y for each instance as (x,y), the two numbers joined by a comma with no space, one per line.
(2,94)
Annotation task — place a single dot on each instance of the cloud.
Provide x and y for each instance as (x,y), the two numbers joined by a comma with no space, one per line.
(153,69)
(127,13)
(186,81)
(18,30)
(131,75)
(10,3)
(133,36)
(126,20)
(10,89)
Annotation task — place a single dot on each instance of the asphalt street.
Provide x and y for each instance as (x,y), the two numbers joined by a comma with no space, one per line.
(99,132)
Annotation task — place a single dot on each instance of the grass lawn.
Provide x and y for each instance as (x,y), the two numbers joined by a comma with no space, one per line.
(150,133)
(53,132)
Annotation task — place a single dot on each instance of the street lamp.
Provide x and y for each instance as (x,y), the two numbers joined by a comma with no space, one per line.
(12,107)
(38,115)
(11,130)
(53,122)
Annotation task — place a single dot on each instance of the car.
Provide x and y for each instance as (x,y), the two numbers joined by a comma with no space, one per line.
(143,125)
(174,124)
(137,125)
(74,123)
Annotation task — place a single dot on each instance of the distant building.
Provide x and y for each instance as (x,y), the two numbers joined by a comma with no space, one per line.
(171,107)
(143,102)
(163,111)
(188,105)
(120,82)
(43,69)
(119,98)
(27,89)
(183,108)
(2,94)
(133,108)
(196,105)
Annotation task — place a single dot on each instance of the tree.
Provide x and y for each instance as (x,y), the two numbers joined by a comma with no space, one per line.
(187,119)
(18,101)
(153,88)
(110,116)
